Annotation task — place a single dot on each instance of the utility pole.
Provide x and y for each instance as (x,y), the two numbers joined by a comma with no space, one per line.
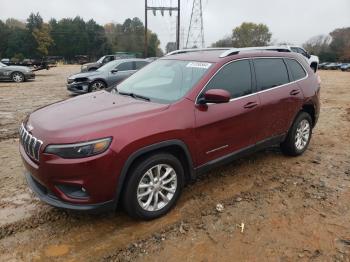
(162,9)
(195,37)
(146,31)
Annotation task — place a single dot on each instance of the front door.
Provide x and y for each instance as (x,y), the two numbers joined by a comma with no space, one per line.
(225,128)
(121,72)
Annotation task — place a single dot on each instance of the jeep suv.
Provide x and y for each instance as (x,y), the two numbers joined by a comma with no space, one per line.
(175,118)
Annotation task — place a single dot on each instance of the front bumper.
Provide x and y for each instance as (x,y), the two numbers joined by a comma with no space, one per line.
(47,196)
(29,75)
(78,87)
(52,176)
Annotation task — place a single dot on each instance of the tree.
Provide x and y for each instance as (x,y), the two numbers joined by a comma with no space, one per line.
(320,46)
(251,34)
(170,46)
(341,43)
(225,42)
(43,39)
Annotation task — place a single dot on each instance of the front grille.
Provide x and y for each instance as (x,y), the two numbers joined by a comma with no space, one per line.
(30,143)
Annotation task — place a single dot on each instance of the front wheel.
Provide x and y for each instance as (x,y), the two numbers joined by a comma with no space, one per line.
(299,135)
(17,77)
(97,86)
(153,186)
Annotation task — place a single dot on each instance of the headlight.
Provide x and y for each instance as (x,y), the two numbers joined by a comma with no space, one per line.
(80,150)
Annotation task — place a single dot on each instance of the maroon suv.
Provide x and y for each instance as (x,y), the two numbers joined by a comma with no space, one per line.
(175,118)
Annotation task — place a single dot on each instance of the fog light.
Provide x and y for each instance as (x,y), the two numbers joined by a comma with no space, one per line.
(73,191)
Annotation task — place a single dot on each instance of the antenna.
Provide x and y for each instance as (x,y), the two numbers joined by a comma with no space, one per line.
(195,36)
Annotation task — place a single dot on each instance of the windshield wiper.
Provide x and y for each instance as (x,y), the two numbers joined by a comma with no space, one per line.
(135,95)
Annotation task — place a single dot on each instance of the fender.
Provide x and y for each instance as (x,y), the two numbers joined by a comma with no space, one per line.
(145,150)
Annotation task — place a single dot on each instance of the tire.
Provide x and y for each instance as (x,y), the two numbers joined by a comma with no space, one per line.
(135,198)
(299,135)
(17,77)
(97,85)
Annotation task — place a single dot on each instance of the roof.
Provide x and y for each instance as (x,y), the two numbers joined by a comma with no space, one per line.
(214,55)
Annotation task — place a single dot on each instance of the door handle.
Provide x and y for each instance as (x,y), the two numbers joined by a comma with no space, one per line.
(250,105)
(294,92)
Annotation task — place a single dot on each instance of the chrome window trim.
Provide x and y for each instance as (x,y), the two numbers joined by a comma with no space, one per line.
(258,92)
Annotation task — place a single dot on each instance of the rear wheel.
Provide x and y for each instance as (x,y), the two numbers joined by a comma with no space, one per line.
(299,135)
(17,77)
(153,187)
(97,86)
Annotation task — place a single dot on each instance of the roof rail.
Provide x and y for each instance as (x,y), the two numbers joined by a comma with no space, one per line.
(235,51)
(183,51)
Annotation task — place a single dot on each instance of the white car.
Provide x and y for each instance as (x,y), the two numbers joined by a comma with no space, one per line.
(313,60)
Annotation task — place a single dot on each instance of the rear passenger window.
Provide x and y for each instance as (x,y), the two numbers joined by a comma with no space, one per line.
(140,64)
(270,72)
(297,70)
(235,77)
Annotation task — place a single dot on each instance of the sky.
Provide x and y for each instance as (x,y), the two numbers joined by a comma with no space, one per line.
(293,21)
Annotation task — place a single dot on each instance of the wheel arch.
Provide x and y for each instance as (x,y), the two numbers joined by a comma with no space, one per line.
(310,109)
(99,79)
(176,147)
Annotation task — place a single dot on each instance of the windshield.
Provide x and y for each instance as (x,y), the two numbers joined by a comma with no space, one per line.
(164,81)
(109,66)
(101,59)
(2,65)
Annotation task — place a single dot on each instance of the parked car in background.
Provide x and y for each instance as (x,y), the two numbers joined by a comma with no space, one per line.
(106,76)
(15,73)
(332,66)
(104,60)
(312,59)
(5,61)
(174,119)
(322,65)
(345,67)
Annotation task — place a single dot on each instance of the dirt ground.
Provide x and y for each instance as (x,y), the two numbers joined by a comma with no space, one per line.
(271,207)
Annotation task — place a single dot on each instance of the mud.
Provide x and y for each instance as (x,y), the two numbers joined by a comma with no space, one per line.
(293,209)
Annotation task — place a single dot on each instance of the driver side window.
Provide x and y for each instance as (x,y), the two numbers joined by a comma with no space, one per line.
(126,66)
(236,78)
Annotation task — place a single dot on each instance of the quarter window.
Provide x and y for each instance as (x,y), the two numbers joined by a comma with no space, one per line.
(297,70)
(270,72)
(235,77)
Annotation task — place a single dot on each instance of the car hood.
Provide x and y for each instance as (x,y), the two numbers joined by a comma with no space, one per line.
(85,75)
(18,68)
(82,117)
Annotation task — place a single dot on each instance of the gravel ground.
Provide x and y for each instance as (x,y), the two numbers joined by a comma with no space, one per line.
(261,208)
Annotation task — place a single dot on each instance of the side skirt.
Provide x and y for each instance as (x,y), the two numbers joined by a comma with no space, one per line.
(239,154)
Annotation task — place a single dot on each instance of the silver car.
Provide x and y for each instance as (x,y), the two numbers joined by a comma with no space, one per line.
(15,73)
(105,77)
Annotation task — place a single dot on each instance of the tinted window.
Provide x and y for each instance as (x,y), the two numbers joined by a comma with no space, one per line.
(270,72)
(235,78)
(108,59)
(125,66)
(140,64)
(296,69)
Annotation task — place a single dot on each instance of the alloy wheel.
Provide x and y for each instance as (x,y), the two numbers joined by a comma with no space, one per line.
(97,86)
(157,187)
(302,134)
(17,77)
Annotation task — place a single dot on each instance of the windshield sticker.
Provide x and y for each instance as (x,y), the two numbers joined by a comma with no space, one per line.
(199,65)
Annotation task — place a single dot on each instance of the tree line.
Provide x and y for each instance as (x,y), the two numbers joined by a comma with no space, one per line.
(332,47)
(69,37)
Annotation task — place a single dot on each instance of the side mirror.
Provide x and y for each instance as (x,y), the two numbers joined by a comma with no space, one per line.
(216,96)
(114,71)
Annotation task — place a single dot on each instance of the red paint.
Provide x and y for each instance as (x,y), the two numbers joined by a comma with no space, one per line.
(135,124)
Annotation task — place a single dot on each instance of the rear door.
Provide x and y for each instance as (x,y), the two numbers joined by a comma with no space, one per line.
(279,94)
(224,128)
